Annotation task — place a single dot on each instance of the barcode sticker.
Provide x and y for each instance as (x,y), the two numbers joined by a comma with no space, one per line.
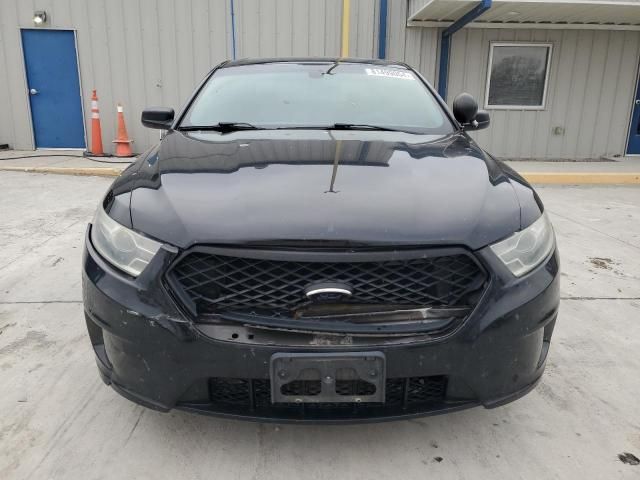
(388,72)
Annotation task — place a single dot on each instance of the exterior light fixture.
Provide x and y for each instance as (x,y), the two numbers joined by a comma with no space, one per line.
(39,18)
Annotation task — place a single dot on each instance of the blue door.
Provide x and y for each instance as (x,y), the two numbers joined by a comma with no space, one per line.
(633,147)
(54,88)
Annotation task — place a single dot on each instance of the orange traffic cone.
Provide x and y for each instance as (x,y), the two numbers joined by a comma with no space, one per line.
(122,141)
(96,131)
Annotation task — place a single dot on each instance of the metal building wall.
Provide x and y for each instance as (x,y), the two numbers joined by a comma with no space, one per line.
(132,51)
(154,52)
(290,28)
(285,28)
(591,88)
(363,31)
(417,47)
(590,94)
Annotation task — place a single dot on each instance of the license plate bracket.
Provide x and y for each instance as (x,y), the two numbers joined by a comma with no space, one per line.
(350,377)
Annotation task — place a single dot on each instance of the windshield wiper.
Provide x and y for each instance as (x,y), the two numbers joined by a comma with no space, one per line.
(362,126)
(342,126)
(223,127)
(226,127)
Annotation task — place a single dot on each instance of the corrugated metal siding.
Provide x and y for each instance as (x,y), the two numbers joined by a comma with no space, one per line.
(130,51)
(591,89)
(7,122)
(154,52)
(14,75)
(592,82)
(416,46)
(363,38)
(282,28)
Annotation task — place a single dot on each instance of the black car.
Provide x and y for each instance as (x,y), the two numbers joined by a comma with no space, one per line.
(320,240)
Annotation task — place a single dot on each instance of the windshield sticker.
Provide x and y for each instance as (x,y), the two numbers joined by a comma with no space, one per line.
(387,72)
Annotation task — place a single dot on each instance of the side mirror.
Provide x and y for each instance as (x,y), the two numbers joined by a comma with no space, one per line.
(158,117)
(465,110)
(481,121)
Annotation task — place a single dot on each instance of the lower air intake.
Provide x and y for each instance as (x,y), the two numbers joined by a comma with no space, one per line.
(242,396)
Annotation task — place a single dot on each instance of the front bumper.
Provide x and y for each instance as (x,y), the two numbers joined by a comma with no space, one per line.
(151,353)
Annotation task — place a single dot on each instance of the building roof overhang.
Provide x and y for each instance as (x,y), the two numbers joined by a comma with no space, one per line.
(546,14)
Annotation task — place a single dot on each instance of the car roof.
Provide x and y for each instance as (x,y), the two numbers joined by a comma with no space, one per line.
(259,61)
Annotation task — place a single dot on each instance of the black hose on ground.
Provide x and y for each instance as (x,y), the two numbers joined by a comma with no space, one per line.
(93,159)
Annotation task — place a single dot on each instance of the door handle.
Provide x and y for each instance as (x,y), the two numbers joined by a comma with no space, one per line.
(33,91)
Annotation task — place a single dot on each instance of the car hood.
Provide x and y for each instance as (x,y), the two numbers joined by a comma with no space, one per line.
(321,187)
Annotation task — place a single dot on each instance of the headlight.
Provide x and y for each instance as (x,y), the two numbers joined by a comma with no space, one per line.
(122,247)
(525,250)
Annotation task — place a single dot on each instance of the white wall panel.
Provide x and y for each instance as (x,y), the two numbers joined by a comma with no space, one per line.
(590,93)
(7,124)
(286,28)
(154,52)
(363,29)
(417,47)
(20,134)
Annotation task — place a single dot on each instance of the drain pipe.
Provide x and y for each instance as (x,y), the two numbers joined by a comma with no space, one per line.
(382,30)
(445,43)
(346,11)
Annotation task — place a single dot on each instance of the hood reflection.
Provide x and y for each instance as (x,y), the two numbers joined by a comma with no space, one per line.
(353,187)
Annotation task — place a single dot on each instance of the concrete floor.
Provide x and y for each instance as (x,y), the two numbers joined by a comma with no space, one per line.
(58,421)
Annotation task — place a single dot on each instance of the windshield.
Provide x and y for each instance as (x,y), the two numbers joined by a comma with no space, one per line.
(320,95)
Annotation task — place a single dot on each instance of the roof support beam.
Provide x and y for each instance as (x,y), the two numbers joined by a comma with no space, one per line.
(529,25)
(445,43)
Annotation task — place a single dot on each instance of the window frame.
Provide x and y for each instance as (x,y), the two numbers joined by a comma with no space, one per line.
(543,105)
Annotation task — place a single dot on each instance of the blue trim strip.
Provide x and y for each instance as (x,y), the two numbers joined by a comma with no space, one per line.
(445,43)
(233,30)
(443,67)
(382,30)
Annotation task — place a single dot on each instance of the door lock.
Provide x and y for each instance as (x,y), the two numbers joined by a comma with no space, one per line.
(33,91)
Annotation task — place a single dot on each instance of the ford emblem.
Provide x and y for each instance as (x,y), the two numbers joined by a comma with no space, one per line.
(328,292)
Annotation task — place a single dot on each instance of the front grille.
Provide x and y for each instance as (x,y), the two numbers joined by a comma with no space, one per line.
(244,396)
(216,283)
